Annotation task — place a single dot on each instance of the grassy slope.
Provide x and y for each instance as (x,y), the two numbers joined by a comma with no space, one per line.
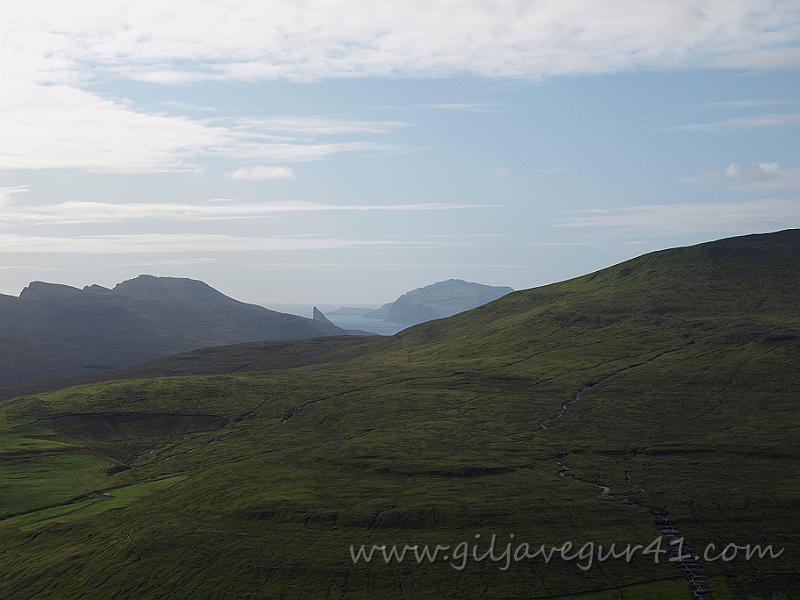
(238,358)
(436,435)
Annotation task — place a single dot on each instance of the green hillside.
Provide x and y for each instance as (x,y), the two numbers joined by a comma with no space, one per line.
(656,397)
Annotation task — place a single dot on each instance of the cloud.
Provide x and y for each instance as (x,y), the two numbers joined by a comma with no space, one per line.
(271,39)
(62,127)
(780,58)
(170,262)
(315,126)
(50,120)
(298,152)
(7,193)
(75,212)
(466,106)
(152,243)
(27,268)
(53,53)
(261,173)
(186,106)
(558,243)
(758,177)
(745,103)
(478,107)
(660,219)
(554,171)
(745,123)
(57,126)
(381,266)
(452,235)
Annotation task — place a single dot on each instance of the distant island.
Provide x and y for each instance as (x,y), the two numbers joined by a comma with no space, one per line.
(435,301)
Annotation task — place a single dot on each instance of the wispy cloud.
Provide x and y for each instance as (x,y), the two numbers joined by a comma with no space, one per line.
(718,217)
(557,243)
(745,123)
(27,268)
(314,126)
(473,107)
(50,122)
(153,243)
(75,212)
(260,173)
(382,266)
(8,193)
(605,239)
(62,127)
(555,171)
(298,152)
(753,103)
(170,262)
(186,106)
(758,177)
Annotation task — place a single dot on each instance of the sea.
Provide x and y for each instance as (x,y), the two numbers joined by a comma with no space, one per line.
(344,321)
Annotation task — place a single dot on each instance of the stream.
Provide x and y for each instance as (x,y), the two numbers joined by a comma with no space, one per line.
(688,563)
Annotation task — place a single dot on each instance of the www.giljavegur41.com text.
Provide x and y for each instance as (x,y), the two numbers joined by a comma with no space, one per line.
(584,554)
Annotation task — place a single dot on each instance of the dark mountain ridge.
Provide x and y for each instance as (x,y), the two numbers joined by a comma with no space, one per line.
(54,330)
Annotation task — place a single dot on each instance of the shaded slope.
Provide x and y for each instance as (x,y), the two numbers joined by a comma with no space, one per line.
(238,358)
(54,330)
(258,357)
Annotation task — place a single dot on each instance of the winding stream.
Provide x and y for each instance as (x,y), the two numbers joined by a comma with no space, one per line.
(680,552)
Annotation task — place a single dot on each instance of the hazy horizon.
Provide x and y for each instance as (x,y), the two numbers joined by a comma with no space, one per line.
(304,307)
(305,156)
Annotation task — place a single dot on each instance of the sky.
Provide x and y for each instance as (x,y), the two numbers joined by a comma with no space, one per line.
(343,151)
